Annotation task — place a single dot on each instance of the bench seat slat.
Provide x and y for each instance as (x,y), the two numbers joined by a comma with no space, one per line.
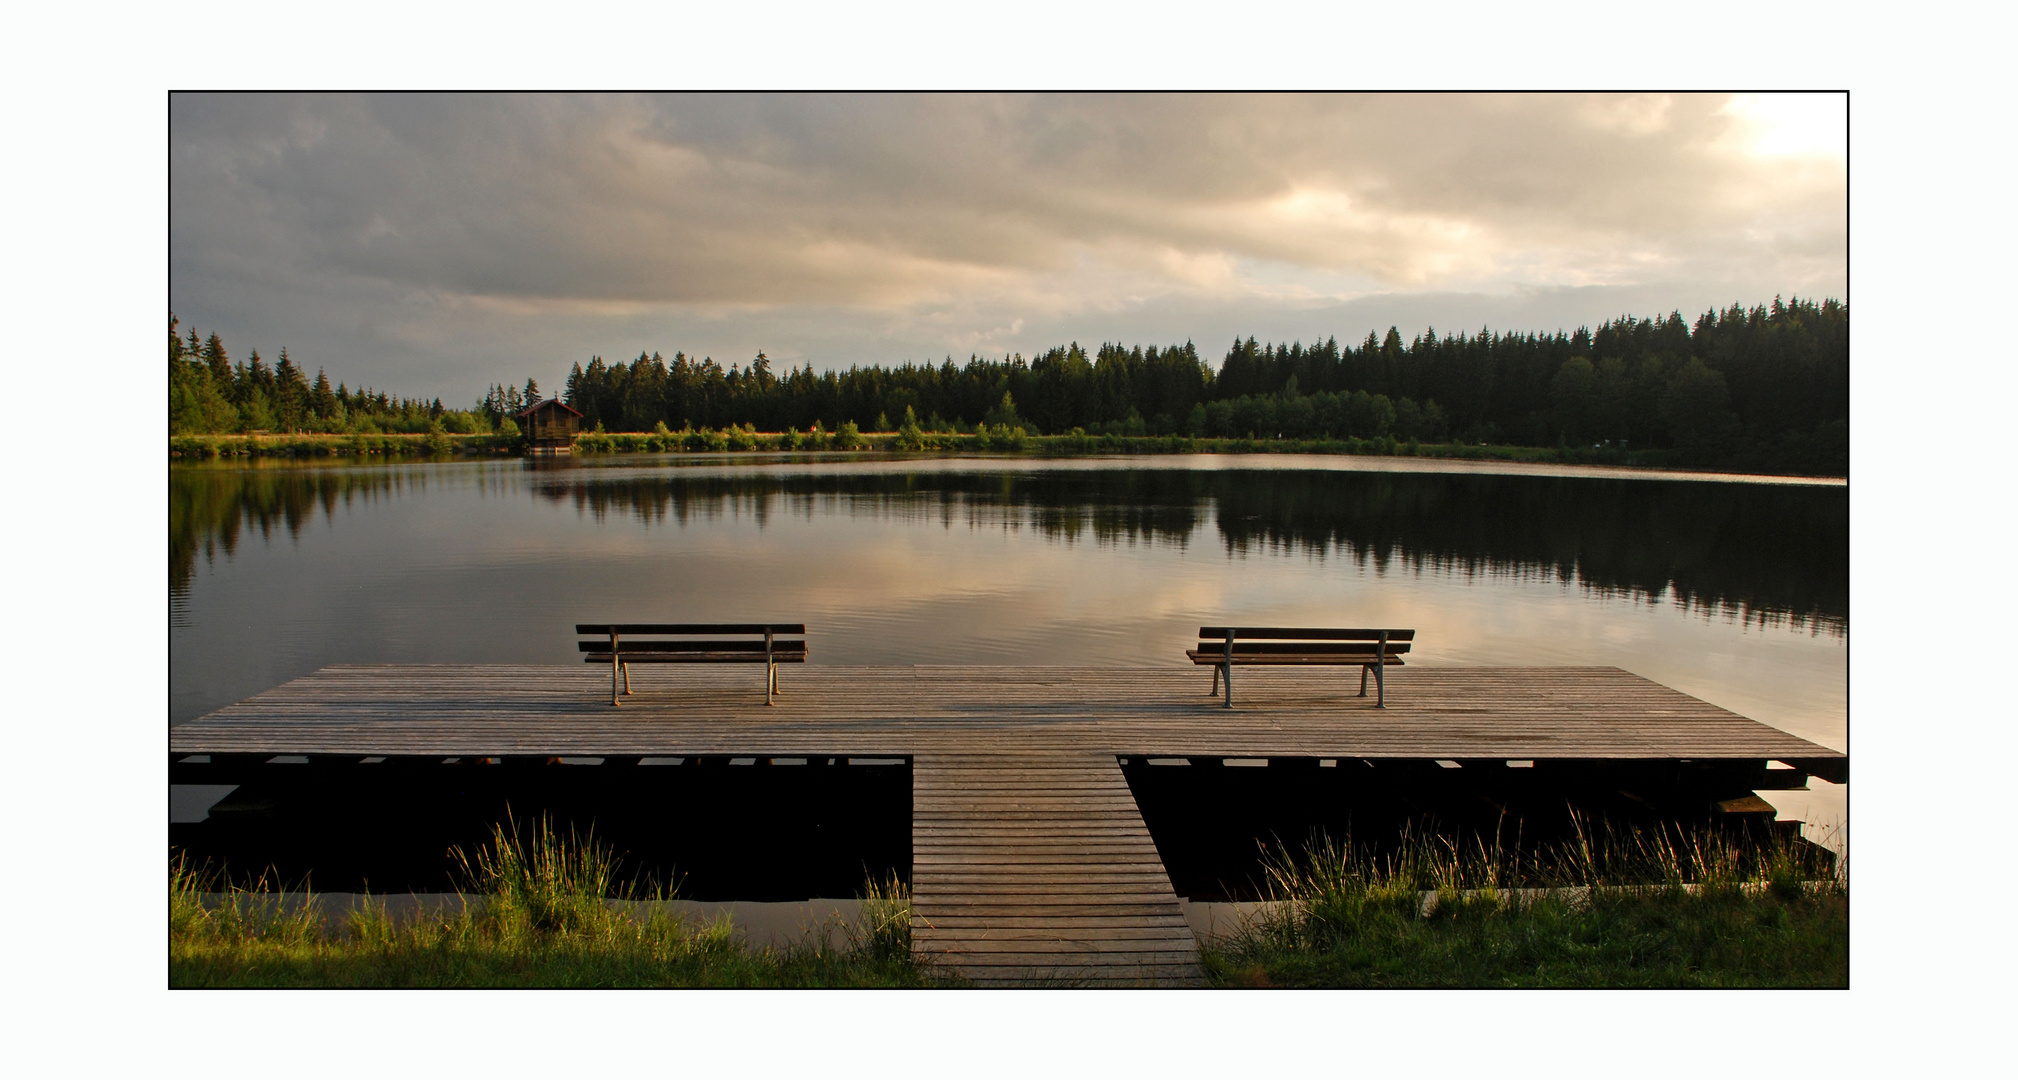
(1244,648)
(628,647)
(1334,660)
(606,629)
(1306,633)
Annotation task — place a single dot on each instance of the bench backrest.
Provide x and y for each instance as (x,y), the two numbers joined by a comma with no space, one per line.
(1312,641)
(626,629)
(1301,633)
(685,638)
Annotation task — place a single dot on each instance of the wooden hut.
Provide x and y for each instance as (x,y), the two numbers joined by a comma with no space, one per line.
(550,425)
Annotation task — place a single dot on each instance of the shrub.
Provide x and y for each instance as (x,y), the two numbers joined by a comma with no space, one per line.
(909,436)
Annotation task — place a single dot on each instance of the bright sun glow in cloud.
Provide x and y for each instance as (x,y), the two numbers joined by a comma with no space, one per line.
(1794,125)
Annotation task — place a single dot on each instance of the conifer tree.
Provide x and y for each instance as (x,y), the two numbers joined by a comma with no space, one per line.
(321,399)
(215,359)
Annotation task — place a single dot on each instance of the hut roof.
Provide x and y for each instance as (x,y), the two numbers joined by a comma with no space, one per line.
(555,402)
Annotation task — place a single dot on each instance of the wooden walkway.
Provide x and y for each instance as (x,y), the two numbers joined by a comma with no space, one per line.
(1030,861)
(1035,868)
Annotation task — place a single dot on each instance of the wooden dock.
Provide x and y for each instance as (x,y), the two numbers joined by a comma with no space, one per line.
(1028,866)
(1030,861)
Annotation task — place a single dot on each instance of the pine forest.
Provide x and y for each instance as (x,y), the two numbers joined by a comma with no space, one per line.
(1765,388)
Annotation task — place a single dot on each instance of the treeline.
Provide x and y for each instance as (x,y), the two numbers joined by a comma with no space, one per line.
(1765,387)
(209,394)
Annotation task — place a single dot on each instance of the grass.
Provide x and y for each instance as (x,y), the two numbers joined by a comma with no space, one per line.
(322,444)
(538,913)
(1613,908)
(1610,909)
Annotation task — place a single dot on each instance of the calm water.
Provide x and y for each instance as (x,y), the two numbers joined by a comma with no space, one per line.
(1734,591)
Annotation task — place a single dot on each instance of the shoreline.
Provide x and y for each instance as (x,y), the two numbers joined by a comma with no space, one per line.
(1015,445)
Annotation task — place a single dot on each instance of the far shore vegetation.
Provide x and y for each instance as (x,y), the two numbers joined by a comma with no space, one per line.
(1761,389)
(1668,908)
(910,438)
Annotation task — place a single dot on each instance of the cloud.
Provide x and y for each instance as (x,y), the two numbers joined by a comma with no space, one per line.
(944,218)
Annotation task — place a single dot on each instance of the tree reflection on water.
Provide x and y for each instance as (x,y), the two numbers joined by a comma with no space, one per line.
(1769,554)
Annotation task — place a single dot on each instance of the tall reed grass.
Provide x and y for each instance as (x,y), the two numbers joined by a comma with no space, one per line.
(885,927)
(541,908)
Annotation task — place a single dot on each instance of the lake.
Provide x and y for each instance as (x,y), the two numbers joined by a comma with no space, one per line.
(1733,589)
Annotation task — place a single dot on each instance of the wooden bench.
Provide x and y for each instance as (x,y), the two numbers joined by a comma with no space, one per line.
(1224,647)
(617,645)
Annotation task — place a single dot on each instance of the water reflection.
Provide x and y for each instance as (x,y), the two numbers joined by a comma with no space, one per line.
(276,570)
(1765,554)
(1107,507)
(210,509)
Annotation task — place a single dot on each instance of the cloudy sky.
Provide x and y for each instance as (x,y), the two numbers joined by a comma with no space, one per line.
(432,245)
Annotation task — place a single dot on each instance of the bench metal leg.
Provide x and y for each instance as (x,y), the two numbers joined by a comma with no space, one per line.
(770,669)
(1214,692)
(1227,662)
(1379,673)
(1362,680)
(617,670)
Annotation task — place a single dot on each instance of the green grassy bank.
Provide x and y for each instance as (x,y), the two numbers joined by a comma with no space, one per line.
(192,447)
(1633,939)
(1632,909)
(1661,909)
(539,916)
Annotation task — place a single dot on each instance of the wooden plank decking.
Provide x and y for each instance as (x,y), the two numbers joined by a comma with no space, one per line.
(1033,868)
(1431,713)
(1030,861)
